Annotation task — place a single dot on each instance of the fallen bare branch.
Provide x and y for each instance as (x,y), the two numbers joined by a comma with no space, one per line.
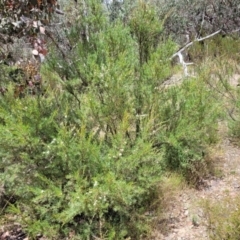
(180,55)
(196,40)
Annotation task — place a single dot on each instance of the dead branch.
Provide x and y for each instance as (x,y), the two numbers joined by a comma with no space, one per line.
(180,55)
(58,11)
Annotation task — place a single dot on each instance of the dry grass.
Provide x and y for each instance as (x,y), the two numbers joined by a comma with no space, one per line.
(171,187)
(223,218)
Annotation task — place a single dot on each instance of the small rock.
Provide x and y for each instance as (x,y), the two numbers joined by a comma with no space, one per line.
(5,235)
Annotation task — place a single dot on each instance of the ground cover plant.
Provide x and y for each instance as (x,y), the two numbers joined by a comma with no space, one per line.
(223,219)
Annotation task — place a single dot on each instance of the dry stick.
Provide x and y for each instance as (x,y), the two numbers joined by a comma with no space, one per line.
(58,11)
(7,203)
(180,55)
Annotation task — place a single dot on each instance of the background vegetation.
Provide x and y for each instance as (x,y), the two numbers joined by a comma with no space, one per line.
(84,157)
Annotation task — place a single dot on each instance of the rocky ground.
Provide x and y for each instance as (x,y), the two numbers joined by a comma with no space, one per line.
(12,232)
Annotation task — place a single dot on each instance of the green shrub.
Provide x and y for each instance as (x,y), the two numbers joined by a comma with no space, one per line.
(85,159)
(234,119)
(188,116)
(64,179)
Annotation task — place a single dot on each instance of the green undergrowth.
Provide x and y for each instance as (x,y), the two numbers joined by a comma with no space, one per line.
(85,159)
(234,123)
(69,169)
(64,179)
(217,46)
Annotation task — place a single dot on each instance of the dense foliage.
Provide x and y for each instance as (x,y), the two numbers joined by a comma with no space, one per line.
(84,159)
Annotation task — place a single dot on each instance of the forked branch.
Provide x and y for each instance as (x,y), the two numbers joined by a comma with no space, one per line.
(179,53)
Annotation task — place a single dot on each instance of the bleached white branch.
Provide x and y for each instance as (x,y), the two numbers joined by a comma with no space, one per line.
(179,53)
(195,40)
(208,36)
(184,64)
